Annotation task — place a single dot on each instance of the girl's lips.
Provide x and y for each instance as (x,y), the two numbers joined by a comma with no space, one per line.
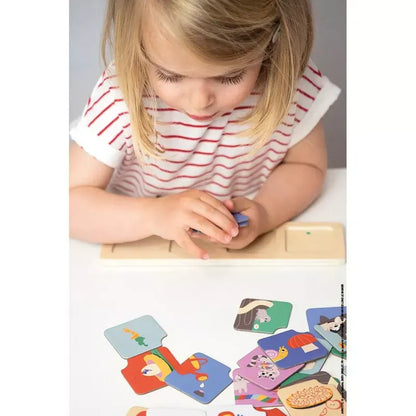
(201,118)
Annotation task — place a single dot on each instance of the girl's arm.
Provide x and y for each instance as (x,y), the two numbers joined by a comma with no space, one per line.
(103,217)
(291,187)
(96,215)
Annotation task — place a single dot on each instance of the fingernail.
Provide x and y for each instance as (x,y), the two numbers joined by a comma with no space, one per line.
(205,256)
(234,232)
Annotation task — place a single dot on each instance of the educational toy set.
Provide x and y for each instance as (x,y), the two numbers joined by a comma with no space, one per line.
(283,370)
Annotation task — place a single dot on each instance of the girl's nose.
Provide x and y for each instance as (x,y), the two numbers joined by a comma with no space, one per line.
(202,95)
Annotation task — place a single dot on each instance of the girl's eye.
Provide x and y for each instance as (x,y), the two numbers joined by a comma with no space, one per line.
(167,78)
(236,79)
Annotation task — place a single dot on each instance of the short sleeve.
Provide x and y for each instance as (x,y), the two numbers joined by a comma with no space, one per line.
(315,93)
(103,130)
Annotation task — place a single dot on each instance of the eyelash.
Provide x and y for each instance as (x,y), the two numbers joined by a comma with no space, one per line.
(225,80)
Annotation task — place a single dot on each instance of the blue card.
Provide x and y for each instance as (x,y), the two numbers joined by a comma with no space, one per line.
(291,348)
(200,377)
(135,337)
(242,220)
(331,324)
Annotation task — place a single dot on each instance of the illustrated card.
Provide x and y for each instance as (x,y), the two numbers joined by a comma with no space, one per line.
(258,368)
(329,329)
(291,348)
(242,410)
(147,372)
(137,411)
(135,337)
(313,367)
(312,398)
(200,377)
(333,326)
(249,393)
(260,315)
(324,378)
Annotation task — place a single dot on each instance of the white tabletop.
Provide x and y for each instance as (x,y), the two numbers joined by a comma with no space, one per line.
(195,305)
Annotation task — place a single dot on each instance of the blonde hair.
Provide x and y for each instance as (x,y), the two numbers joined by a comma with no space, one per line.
(237,31)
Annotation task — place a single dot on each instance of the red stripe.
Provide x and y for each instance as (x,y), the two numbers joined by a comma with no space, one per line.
(105,79)
(205,182)
(315,71)
(114,139)
(95,102)
(253,169)
(302,108)
(103,111)
(108,125)
(305,94)
(310,81)
(202,165)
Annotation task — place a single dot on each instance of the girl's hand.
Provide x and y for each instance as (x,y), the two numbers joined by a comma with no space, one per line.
(174,217)
(257,221)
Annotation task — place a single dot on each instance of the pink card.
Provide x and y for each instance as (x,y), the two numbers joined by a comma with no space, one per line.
(259,369)
(249,393)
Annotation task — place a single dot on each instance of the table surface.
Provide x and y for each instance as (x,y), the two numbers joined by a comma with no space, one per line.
(195,305)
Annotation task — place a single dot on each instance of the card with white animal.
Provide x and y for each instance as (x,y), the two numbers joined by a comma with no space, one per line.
(330,323)
(298,348)
(260,369)
(136,336)
(246,392)
(231,410)
(260,315)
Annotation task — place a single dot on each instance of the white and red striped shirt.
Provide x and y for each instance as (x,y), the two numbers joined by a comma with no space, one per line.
(206,156)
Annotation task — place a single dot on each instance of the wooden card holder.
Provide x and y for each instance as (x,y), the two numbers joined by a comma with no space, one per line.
(293,243)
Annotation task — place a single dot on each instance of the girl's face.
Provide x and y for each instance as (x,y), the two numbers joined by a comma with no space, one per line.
(202,90)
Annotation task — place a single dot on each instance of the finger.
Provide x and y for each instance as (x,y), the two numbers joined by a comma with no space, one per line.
(229,204)
(218,205)
(186,242)
(240,204)
(206,226)
(200,236)
(226,224)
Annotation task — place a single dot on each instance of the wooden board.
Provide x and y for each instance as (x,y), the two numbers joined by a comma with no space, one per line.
(293,243)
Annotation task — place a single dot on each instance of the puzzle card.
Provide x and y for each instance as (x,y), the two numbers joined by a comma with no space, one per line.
(249,393)
(260,315)
(291,348)
(258,368)
(330,329)
(200,377)
(332,323)
(147,372)
(324,378)
(312,398)
(313,367)
(136,336)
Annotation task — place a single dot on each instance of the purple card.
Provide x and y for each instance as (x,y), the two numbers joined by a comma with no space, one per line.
(249,393)
(291,348)
(259,369)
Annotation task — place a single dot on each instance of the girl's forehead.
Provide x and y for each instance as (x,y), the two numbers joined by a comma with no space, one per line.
(169,54)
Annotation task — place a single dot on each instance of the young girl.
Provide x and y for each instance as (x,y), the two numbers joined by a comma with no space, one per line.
(209,107)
